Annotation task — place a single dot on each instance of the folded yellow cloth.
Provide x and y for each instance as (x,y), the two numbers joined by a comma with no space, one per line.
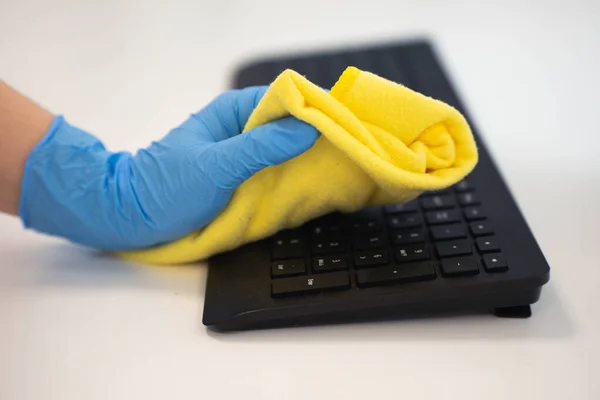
(381,143)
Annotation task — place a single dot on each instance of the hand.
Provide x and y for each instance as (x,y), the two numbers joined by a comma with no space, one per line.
(75,189)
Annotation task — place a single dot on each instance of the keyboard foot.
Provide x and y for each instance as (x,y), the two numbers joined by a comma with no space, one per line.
(513,312)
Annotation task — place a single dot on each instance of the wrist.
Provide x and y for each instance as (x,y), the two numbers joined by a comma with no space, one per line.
(23,124)
(32,163)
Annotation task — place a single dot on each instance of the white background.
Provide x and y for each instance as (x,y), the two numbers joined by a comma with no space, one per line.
(76,326)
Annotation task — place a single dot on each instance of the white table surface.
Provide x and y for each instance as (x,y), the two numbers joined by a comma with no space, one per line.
(75,326)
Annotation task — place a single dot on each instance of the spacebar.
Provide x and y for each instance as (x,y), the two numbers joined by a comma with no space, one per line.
(310,284)
(395,274)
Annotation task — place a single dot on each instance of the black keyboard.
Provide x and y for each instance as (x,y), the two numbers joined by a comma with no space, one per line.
(462,249)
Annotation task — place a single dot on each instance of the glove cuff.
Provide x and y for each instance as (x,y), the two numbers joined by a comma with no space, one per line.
(24,214)
(71,188)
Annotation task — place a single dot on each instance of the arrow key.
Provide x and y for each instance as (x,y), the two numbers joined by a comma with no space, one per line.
(370,258)
(495,263)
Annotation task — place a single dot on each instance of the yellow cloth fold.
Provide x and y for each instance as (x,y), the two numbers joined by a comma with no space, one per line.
(381,143)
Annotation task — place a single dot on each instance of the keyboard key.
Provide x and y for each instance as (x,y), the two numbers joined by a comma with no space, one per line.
(329,224)
(370,258)
(329,244)
(404,273)
(288,245)
(445,232)
(405,221)
(481,228)
(454,248)
(437,202)
(408,236)
(463,186)
(310,284)
(461,266)
(442,217)
(288,268)
(322,229)
(365,225)
(373,240)
(411,206)
(488,244)
(468,199)
(411,253)
(474,213)
(330,263)
(366,220)
(495,263)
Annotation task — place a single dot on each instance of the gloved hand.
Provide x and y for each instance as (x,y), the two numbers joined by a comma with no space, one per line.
(75,189)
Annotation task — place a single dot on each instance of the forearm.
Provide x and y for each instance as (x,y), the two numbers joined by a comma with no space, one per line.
(23,123)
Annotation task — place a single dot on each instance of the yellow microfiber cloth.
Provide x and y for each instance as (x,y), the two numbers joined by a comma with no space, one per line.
(380,143)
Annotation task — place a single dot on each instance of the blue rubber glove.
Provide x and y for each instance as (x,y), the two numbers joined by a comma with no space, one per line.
(75,189)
